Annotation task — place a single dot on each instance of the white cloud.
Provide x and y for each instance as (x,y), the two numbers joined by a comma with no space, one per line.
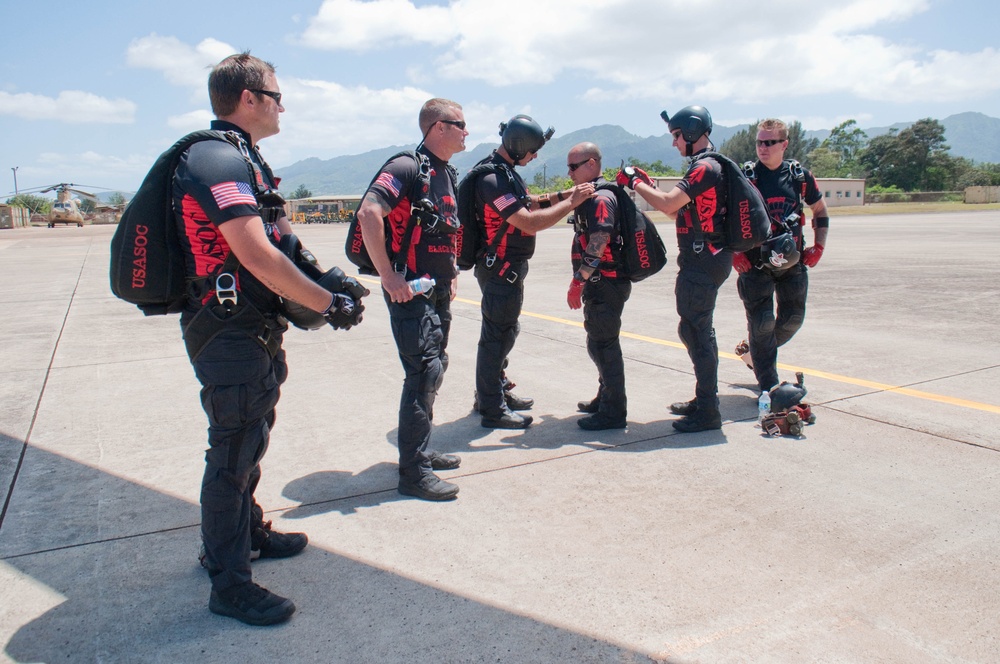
(71,107)
(190,121)
(358,26)
(90,167)
(324,119)
(181,64)
(669,50)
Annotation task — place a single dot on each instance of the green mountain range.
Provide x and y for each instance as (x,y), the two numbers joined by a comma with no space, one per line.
(971,135)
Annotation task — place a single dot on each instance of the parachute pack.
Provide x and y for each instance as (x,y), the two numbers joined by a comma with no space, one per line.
(421,213)
(642,251)
(147,261)
(472,235)
(747,223)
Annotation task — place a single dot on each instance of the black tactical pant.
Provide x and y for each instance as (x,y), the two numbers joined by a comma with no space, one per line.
(503,295)
(420,328)
(759,290)
(240,389)
(603,303)
(697,289)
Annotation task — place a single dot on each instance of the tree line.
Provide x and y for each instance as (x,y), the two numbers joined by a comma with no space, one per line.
(912,159)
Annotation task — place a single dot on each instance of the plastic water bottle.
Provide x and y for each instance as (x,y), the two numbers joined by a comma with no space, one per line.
(421,286)
(763,406)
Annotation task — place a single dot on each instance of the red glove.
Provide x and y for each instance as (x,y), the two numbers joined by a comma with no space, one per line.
(574,298)
(812,255)
(741,262)
(628,175)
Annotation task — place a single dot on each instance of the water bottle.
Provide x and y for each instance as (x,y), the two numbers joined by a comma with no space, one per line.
(421,286)
(763,406)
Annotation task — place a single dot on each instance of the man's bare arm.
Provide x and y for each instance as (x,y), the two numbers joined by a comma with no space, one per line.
(370,218)
(247,239)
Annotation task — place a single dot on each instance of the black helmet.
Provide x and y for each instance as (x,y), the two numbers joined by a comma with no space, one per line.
(693,123)
(521,135)
(786,395)
(779,253)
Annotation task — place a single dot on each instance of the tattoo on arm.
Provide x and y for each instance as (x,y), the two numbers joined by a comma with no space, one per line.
(597,243)
(374,199)
(274,288)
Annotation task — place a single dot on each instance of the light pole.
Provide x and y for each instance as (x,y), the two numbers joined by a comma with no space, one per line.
(14,168)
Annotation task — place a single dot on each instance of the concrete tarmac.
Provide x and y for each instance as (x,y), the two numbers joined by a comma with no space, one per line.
(872,538)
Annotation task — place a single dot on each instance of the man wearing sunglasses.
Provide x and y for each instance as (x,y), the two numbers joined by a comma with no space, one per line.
(599,288)
(509,218)
(704,262)
(230,219)
(420,322)
(785,187)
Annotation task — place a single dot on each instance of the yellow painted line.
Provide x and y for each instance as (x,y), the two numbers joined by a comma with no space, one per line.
(837,378)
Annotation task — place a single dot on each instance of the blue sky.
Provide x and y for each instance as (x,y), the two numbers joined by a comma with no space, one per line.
(92,91)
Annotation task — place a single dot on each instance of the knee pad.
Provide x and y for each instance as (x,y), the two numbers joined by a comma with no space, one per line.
(788,327)
(432,376)
(762,323)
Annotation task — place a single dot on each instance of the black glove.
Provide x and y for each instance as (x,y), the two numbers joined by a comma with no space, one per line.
(346,308)
(344,312)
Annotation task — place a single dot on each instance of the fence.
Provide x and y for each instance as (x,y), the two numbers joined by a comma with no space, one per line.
(982,194)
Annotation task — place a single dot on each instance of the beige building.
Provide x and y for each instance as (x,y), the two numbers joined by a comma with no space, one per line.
(14,217)
(837,192)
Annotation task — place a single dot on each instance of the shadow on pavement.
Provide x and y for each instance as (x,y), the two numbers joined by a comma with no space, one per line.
(132,591)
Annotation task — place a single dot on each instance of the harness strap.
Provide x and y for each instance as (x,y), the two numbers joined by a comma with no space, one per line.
(490,253)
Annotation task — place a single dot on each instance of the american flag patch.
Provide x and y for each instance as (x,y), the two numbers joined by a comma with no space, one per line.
(389,181)
(504,202)
(228,194)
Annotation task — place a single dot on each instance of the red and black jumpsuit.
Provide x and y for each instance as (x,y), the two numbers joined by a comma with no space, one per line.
(240,377)
(704,265)
(499,195)
(761,289)
(422,325)
(604,297)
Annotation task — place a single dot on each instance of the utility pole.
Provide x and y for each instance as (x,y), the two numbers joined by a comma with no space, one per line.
(545,180)
(14,168)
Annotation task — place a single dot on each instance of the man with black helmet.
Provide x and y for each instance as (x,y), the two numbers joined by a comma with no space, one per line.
(785,186)
(599,288)
(421,322)
(704,262)
(230,219)
(509,217)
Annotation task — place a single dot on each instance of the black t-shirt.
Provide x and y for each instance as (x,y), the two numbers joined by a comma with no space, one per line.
(499,196)
(214,184)
(432,254)
(783,194)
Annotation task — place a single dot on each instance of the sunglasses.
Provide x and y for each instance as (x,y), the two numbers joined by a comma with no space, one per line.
(276,96)
(572,167)
(769,142)
(455,123)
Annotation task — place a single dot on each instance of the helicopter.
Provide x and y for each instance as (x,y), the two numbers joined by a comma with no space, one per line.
(66,210)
